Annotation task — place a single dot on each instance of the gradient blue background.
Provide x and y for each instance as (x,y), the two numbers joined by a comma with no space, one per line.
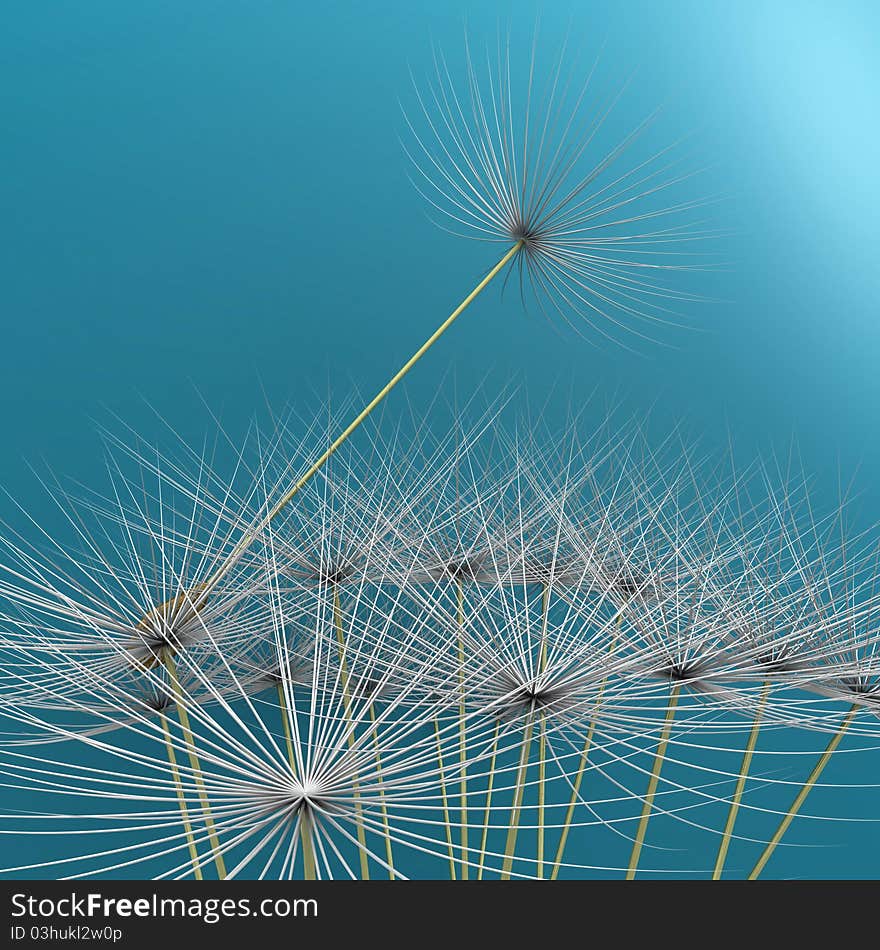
(211,198)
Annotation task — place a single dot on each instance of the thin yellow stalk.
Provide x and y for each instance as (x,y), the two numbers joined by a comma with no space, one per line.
(513,829)
(444,798)
(740,785)
(542,741)
(310,871)
(488,813)
(232,558)
(358,811)
(659,758)
(522,771)
(189,740)
(575,794)
(305,818)
(389,853)
(462,726)
(805,790)
(542,767)
(582,767)
(582,764)
(204,590)
(545,614)
(285,719)
(181,799)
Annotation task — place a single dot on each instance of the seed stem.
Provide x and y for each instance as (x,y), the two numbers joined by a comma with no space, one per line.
(582,766)
(308,845)
(386,825)
(487,816)
(575,794)
(659,758)
(189,740)
(740,785)
(462,727)
(181,799)
(285,720)
(542,771)
(251,535)
(516,810)
(802,794)
(542,740)
(445,800)
(305,818)
(346,700)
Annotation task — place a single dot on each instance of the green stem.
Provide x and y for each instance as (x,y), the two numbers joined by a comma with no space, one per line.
(305,817)
(575,795)
(462,726)
(740,785)
(545,615)
(285,720)
(189,740)
(310,871)
(519,789)
(542,740)
(486,818)
(522,771)
(542,767)
(802,794)
(445,800)
(652,784)
(386,825)
(181,799)
(582,767)
(346,699)
(233,557)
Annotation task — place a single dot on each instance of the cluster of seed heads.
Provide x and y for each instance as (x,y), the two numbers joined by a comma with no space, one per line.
(355,698)
(449,649)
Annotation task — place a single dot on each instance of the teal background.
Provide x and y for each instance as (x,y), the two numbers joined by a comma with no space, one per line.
(209,201)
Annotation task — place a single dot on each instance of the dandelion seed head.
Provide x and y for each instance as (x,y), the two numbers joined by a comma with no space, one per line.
(413,655)
(505,151)
(516,698)
(163,633)
(158,702)
(467,568)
